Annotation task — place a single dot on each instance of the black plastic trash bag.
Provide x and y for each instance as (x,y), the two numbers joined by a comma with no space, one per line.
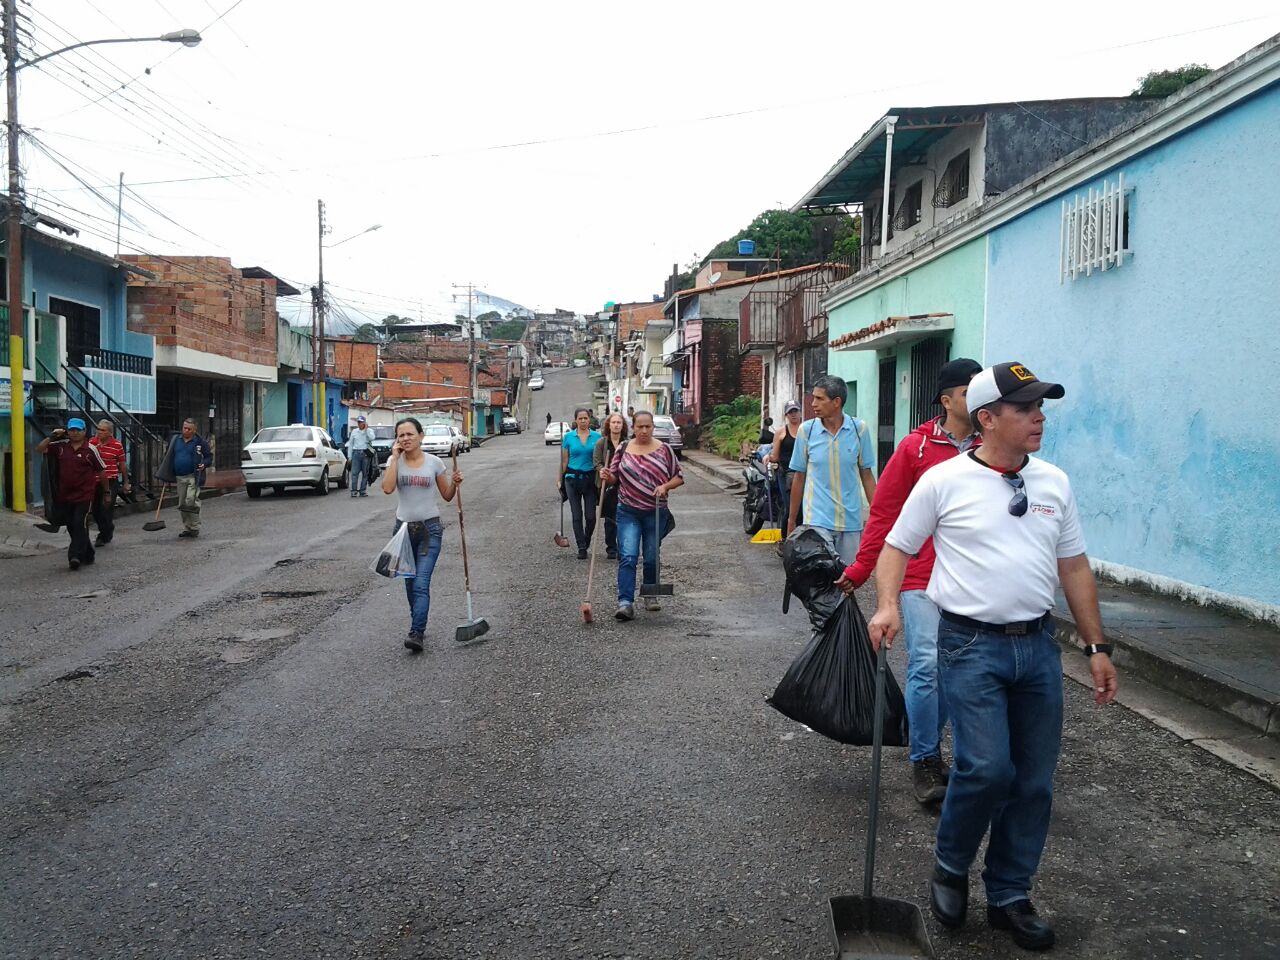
(831,686)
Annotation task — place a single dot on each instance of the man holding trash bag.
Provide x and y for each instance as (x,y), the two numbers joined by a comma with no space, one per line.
(933,442)
(833,453)
(1006,533)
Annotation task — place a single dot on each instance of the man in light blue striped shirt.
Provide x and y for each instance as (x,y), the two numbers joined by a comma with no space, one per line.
(832,455)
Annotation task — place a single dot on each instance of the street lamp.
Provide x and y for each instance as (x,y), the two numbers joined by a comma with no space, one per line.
(17,331)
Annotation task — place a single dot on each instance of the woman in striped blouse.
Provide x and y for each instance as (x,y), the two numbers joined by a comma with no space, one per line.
(645,470)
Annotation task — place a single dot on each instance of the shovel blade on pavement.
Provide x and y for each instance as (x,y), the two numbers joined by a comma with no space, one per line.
(878,928)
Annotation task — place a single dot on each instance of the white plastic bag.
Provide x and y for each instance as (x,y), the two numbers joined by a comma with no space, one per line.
(396,558)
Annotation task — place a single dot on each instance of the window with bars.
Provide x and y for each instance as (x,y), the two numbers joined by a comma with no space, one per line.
(908,214)
(953,186)
(1095,231)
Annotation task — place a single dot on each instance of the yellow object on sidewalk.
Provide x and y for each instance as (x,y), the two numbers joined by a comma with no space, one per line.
(768,536)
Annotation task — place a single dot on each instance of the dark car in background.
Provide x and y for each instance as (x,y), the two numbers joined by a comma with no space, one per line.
(665,429)
(510,425)
(384,437)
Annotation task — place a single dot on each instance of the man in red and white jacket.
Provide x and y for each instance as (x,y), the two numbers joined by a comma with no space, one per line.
(933,442)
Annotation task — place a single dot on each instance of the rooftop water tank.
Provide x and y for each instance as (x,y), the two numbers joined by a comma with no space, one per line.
(746,248)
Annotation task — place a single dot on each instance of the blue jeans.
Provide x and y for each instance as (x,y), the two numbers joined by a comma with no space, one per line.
(426,537)
(843,542)
(359,471)
(1005,698)
(635,526)
(926,707)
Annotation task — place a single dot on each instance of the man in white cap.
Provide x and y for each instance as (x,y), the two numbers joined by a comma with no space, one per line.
(360,443)
(1006,534)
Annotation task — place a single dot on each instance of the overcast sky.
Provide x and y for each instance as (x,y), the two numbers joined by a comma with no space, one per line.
(556,154)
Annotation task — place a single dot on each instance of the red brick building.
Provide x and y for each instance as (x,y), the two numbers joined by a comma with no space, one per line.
(215,332)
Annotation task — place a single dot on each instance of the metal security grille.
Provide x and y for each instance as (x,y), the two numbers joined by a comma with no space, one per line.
(1095,231)
(927,360)
(884,430)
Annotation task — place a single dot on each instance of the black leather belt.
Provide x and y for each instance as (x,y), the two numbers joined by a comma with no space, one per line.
(1009,629)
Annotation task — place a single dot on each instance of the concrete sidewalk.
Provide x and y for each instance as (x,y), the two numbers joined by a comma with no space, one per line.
(1225,667)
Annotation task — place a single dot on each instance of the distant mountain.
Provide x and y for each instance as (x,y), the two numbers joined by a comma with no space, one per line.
(345,317)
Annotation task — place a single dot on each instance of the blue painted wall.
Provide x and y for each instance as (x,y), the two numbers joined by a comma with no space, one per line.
(1169,424)
(63,274)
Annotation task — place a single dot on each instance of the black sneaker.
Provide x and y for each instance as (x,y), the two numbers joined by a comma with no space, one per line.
(189,533)
(48,527)
(582,553)
(99,542)
(74,563)
(929,780)
(413,642)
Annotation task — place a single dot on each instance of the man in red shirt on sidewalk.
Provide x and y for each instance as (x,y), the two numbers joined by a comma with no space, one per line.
(931,443)
(111,451)
(81,475)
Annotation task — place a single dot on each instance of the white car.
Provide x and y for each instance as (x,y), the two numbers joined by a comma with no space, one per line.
(464,442)
(293,456)
(579,362)
(438,438)
(555,432)
(536,382)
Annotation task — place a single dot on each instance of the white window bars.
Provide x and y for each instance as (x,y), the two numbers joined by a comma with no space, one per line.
(1095,231)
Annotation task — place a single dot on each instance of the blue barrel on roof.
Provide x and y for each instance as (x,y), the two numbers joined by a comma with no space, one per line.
(746,248)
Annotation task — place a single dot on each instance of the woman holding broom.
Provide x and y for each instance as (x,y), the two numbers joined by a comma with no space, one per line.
(417,477)
(645,471)
(615,434)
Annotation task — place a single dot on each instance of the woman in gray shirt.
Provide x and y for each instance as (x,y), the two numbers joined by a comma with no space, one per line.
(417,477)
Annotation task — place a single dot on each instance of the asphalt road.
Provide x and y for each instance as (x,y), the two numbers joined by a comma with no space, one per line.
(221,748)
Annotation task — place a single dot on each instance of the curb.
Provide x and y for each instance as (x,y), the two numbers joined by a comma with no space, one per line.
(727,477)
(1201,685)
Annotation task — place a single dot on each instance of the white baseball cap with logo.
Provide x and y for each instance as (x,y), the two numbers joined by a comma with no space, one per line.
(1011,382)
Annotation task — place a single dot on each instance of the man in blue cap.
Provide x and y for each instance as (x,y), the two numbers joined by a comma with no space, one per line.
(81,475)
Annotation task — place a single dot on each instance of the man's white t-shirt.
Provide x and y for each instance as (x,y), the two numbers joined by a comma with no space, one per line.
(991,565)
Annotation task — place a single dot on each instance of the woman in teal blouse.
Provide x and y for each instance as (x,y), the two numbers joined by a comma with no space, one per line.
(578,478)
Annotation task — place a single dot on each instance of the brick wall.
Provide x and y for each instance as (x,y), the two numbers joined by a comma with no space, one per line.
(353,361)
(438,372)
(205,304)
(725,375)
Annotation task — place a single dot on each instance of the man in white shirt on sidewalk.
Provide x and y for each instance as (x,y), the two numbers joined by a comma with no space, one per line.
(1006,533)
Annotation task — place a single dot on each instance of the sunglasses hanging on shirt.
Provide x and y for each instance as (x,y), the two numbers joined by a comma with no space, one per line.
(1018,505)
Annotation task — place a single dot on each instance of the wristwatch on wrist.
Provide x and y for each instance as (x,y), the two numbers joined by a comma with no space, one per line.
(1091,648)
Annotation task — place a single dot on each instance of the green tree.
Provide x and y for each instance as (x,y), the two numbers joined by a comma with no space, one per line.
(1165,83)
(489,316)
(508,330)
(369,333)
(795,239)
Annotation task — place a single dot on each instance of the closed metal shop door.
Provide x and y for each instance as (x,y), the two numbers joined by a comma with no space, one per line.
(884,431)
(927,360)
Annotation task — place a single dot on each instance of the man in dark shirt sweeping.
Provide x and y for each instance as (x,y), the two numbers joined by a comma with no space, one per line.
(81,475)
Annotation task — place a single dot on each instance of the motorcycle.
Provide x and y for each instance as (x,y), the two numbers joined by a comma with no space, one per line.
(759,504)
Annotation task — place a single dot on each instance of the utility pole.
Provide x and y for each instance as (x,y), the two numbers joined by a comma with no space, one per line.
(471,363)
(119,211)
(319,380)
(13,254)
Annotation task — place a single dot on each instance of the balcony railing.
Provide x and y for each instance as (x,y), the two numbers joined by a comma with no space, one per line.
(758,320)
(95,358)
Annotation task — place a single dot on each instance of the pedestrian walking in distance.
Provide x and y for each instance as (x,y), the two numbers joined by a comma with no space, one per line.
(548,418)
(933,442)
(784,445)
(645,470)
(615,435)
(184,466)
(1006,534)
(417,477)
(833,453)
(111,451)
(360,443)
(578,477)
(82,477)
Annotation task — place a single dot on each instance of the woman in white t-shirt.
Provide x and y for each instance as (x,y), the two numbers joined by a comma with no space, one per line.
(417,477)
